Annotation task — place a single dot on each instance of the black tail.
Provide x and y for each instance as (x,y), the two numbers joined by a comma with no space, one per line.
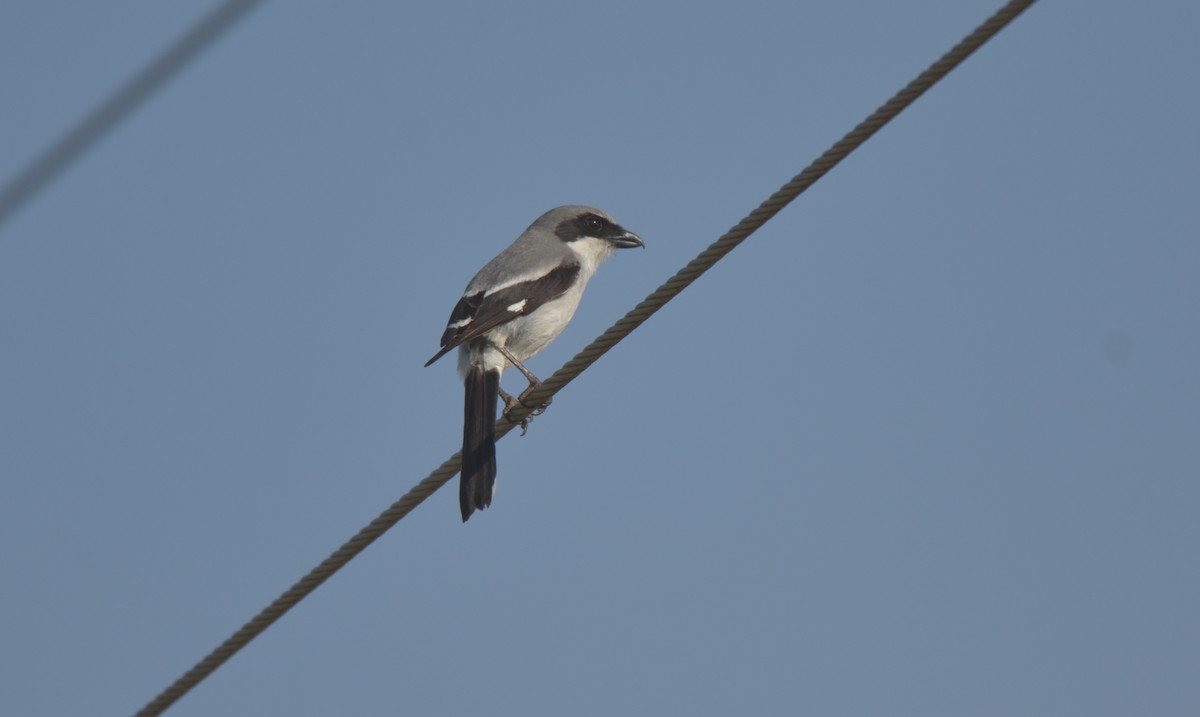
(479,441)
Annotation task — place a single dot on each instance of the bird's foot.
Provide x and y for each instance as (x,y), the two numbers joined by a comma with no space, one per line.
(524,397)
(511,403)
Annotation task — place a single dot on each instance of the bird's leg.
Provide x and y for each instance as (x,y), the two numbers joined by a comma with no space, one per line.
(534,382)
(511,402)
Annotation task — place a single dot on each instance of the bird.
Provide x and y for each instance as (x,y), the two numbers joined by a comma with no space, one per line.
(516,304)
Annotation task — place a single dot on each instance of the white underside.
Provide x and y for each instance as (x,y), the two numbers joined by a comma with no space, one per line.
(529,334)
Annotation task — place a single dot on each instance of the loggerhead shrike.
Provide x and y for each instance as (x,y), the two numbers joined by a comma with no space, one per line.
(517,303)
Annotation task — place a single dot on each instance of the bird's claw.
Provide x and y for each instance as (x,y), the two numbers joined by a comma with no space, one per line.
(508,408)
(511,403)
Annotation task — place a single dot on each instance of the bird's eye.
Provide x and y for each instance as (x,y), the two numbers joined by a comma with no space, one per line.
(593,223)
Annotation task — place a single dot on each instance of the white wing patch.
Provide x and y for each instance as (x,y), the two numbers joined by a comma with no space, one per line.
(517,307)
(460,324)
(519,279)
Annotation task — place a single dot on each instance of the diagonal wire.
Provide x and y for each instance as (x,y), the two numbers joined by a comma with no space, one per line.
(592,352)
(96,124)
(773,204)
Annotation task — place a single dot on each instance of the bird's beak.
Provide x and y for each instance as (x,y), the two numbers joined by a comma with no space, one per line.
(628,240)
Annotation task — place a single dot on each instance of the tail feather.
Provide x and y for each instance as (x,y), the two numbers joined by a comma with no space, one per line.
(479,441)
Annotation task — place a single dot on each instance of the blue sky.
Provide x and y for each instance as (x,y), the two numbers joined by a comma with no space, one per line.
(927,444)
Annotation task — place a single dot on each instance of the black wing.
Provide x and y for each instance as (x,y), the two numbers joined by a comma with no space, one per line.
(476,314)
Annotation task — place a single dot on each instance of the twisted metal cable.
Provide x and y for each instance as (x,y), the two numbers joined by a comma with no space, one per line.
(777,201)
(592,352)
